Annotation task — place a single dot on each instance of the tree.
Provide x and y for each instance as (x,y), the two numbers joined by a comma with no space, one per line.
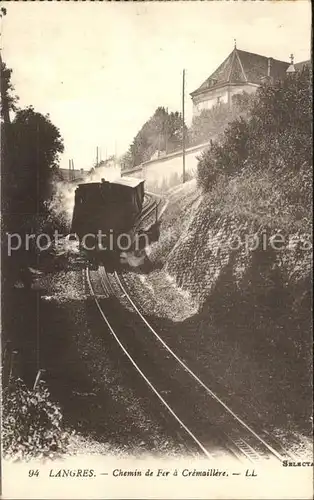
(212,122)
(275,137)
(30,147)
(37,145)
(8,98)
(209,123)
(226,157)
(281,122)
(173,129)
(162,132)
(8,103)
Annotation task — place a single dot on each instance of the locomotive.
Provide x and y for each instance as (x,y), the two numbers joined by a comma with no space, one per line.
(112,216)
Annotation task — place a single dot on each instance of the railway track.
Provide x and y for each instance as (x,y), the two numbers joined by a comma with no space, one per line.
(149,212)
(213,428)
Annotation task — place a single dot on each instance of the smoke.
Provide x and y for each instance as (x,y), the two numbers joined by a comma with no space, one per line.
(133,259)
(109,173)
(62,203)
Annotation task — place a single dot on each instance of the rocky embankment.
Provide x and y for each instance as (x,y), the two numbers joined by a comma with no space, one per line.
(234,306)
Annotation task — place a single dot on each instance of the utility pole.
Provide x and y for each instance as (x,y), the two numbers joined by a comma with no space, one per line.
(115,153)
(97,156)
(166,131)
(183,127)
(158,145)
(71,170)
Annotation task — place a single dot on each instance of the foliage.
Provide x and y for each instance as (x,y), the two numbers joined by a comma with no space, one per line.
(276,136)
(30,148)
(281,123)
(162,132)
(262,199)
(37,144)
(8,99)
(8,103)
(210,123)
(31,424)
(226,157)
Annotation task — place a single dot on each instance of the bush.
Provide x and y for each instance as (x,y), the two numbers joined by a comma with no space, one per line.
(226,157)
(276,136)
(31,426)
(210,123)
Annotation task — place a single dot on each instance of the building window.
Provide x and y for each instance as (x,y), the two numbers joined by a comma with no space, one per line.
(219,99)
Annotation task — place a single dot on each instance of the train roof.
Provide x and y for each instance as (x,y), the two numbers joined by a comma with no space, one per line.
(128,181)
(131,182)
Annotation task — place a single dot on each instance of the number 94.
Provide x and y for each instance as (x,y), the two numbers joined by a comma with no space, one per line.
(33,473)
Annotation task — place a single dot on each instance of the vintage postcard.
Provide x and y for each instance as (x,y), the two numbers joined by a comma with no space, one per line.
(156,250)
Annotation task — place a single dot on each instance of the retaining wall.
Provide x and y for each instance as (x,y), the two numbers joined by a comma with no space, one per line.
(164,173)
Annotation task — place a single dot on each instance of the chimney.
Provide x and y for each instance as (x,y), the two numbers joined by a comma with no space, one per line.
(267,79)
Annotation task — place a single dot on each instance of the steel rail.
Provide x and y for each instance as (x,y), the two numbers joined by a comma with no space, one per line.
(171,411)
(188,370)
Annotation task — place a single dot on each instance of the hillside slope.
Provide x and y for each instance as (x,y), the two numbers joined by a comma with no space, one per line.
(240,318)
(233,296)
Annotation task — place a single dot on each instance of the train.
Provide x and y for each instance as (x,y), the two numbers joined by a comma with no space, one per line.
(115,216)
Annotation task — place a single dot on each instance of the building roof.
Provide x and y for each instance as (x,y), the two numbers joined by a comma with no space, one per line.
(299,66)
(243,67)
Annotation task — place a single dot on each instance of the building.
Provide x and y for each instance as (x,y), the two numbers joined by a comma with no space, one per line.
(240,72)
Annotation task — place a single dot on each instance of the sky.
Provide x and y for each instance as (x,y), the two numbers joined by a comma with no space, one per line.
(101,69)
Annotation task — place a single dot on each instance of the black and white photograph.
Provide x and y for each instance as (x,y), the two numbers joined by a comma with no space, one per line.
(156,250)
